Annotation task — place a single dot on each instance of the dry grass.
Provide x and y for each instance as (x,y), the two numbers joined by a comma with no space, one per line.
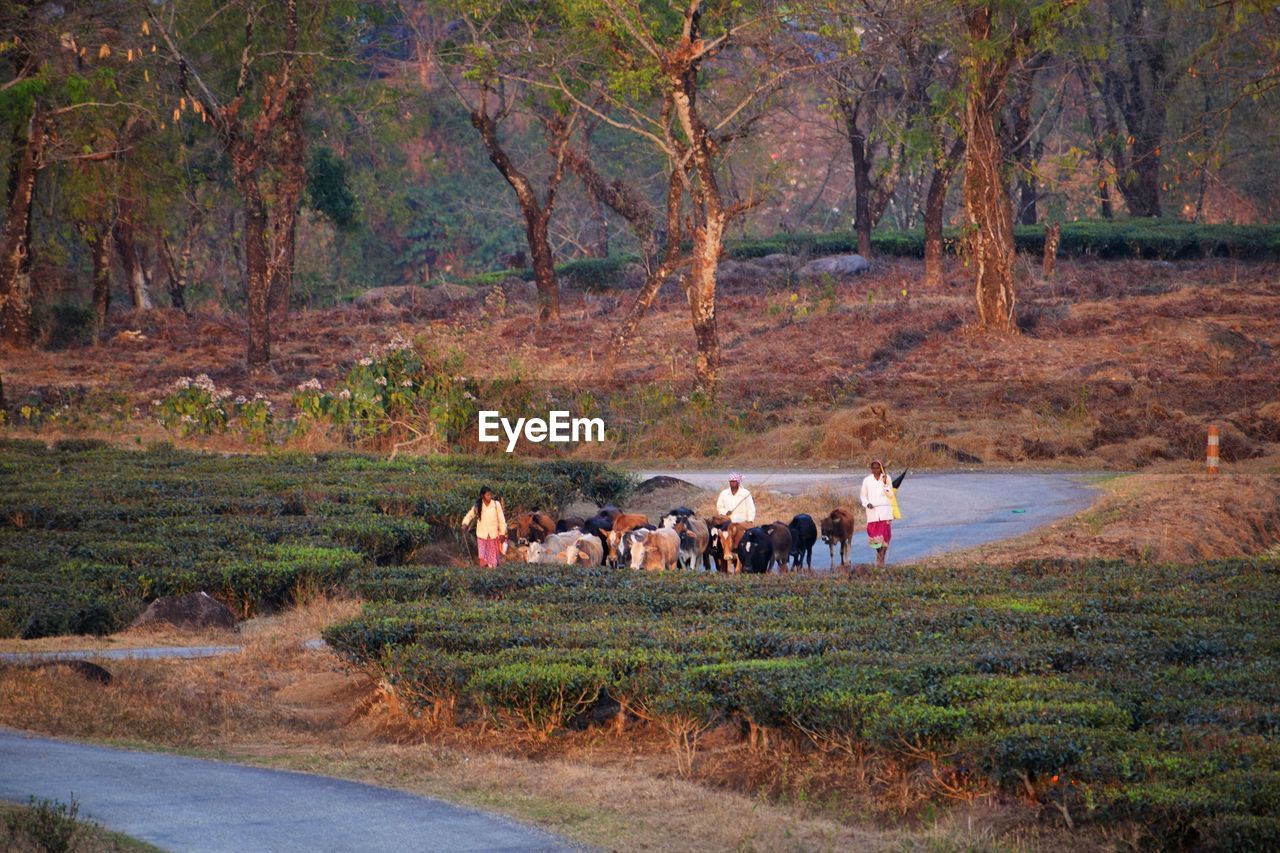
(1123,364)
(1164,514)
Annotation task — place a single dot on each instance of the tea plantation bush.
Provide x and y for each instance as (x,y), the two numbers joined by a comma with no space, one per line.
(1113,692)
(89,535)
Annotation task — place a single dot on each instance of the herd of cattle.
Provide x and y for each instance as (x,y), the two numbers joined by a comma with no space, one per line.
(683,540)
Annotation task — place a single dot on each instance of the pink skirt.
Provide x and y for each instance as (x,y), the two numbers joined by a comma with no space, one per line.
(880,529)
(490,551)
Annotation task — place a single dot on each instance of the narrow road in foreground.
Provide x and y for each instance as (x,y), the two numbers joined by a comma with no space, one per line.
(941,512)
(190,804)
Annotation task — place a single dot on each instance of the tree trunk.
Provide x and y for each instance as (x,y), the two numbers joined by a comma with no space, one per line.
(15,251)
(1095,133)
(536,227)
(257,277)
(861,171)
(1141,187)
(620,198)
(291,146)
(1052,237)
(280,289)
(657,274)
(598,241)
(1019,147)
(711,218)
(536,219)
(700,287)
(934,207)
(988,211)
(100,248)
(135,275)
(177,268)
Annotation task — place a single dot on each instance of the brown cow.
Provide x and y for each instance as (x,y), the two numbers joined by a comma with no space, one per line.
(658,550)
(839,526)
(531,527)
(729,536)
(621,524)
(589,551)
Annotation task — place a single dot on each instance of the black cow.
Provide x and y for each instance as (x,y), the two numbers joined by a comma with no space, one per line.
(564,525)
(755,551)
(599,525)
(804,534)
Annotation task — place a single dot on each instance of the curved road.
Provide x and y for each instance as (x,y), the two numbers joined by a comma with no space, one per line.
(191,804)
(940,511)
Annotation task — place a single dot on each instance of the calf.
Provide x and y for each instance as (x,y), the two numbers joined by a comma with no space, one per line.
(531,527)
(621,524)
(839,526)
(694,538)
(557,548)
(655,550)
(804,533)
(755,551)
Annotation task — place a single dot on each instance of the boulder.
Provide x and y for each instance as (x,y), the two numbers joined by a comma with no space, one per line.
(742,274)
(83,668)
(416,298)
(195,611)
(778,262)
(517,289)
(837,266)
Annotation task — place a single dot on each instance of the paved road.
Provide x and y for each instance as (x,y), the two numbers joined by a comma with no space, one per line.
(940,512)
(189,804)
(153,653)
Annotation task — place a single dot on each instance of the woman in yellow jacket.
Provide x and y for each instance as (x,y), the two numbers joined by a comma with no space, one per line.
(491,528)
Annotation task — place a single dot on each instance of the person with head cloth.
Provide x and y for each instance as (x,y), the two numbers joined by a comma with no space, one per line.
(878,500)
(491,528)
(736,502)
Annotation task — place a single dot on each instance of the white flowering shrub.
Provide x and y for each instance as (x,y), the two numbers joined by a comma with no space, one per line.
(396,390)
(194,407)
(198,407)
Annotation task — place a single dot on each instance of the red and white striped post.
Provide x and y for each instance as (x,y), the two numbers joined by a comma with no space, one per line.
(1211,458)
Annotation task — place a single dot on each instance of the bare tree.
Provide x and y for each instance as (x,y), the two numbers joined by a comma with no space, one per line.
(254,143)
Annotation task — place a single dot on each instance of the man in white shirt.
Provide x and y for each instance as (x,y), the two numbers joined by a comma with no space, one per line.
(875,498)
(736,502)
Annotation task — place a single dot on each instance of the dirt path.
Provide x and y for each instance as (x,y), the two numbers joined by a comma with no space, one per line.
(941,511)
(196,805)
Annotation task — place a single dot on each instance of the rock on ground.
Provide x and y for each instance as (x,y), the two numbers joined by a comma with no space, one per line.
(836,265)
(416,298)
(195,611)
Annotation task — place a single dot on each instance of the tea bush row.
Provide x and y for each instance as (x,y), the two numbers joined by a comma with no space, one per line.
(89,535)
(1119,692)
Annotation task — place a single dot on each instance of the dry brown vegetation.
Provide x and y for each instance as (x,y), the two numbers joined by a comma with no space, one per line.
(1120,364)
(1158,515)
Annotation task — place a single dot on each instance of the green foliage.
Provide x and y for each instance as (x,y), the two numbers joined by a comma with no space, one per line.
(48,825)
(89,535)
(329,189)
(71,326)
